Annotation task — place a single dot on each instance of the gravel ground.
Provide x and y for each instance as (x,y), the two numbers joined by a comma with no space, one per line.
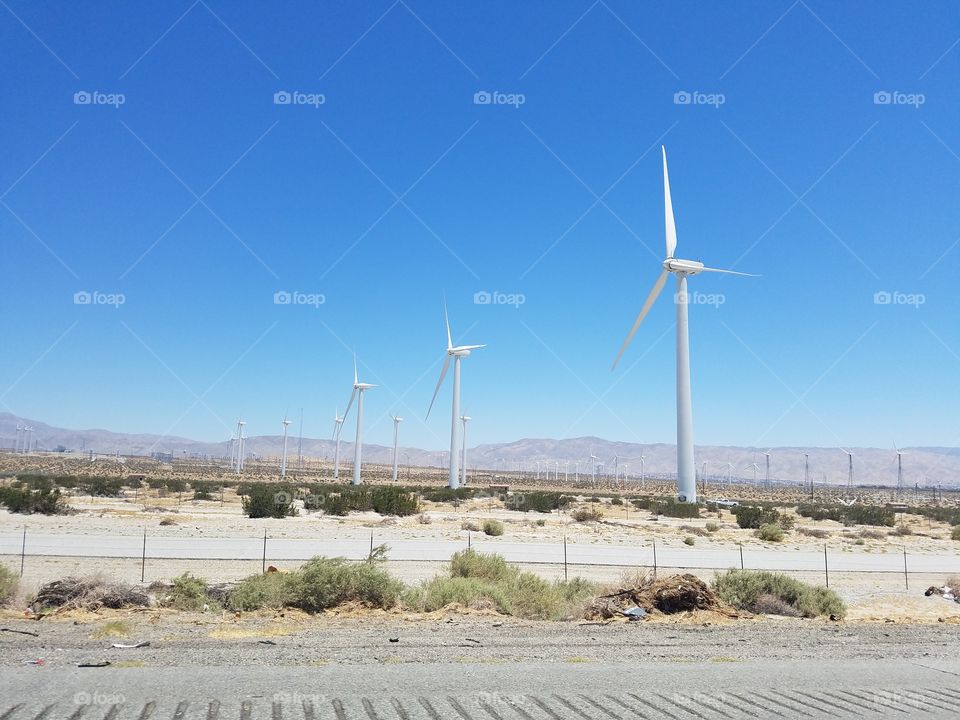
(364,637)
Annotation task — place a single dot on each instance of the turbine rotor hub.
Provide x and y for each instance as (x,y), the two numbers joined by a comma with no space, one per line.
(685,267)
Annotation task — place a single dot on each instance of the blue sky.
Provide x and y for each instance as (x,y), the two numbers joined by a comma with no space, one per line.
(185,188)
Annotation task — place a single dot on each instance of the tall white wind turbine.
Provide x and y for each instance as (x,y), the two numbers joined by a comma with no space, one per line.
(900,455)
(686,471)
(396,435)
(358,389)
(283,460)
(766,474)
(337,424)
(457,353)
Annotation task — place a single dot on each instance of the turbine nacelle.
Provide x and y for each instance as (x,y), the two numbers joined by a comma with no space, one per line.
(685,267)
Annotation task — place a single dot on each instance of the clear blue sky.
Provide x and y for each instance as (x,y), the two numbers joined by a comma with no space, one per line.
(198,198)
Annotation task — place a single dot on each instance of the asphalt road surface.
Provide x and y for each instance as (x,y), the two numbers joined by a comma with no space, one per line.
(206,548)
(514,691)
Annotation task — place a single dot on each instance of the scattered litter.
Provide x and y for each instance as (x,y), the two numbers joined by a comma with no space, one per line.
(266,642)
(123,646)
(101,663)
(635,613)
(472,640)
(945,591)
(20,632)
(38,661)
(394,640)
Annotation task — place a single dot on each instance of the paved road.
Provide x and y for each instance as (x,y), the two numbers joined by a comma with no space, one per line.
(207,548)
(513,691)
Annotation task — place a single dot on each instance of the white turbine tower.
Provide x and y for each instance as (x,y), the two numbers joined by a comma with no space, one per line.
(358,388)
(463,449)
(593,467)
(643,471)
(756,468)
(900,455)
(283,460)
(457,353)
(766,476)
(16,447)
(337,424)
(686,472)
(396,435)
(849,470)
(239,466)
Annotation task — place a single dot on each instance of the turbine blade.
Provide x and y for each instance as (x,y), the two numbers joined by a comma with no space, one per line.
(355,379)
(671,224)
(349,404)
(728,272)
(651,298)
(443,374)
(446,320)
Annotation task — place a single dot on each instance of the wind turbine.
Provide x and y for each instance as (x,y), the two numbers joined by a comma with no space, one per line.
(593,467)
(899,452)
(240,424)
(643,471)
(337,424)
(463,449)
(358,388)
(730,467)
(283,460)
(849,470)
(766,476)
(396,434)
(457,353)
(686,473)
(16,447)
(806,469)
(755,468)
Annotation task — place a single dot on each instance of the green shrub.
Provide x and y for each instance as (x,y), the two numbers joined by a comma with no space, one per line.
(955,535)
(902,530)
(268,500)
(689,541)
(587,514)
(674,509)
(751,517)
(327,582)
(712,527)
(202,494)
(23,500)
(537,501)
(848,514)
(9,583)
(394,501)
(616,501)
(188,593)
(134,483)
(770,533)
(486,566)
(102,487)
(266,590)
(493,527)
(176,485)
(446,494)
(486,581)
(743,589)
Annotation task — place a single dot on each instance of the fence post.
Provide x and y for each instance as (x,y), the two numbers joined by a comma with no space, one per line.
(564,557)
(654,558)
(468,540)
(906,578)
(23,549)
(741,557)
(143,555)
(371,543)
(826,568)
(264,565)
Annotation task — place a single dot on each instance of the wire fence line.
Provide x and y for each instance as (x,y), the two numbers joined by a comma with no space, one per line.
(651,555)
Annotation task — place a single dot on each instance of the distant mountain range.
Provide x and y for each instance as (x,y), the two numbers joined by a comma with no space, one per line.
(873,466)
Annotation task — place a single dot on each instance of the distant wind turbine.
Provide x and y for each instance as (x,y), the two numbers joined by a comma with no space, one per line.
(457,353)
(766,475)
(337,424)
(849,470)
(396,435)
(900,455)
(283,460)
(686,473)
(358,390)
